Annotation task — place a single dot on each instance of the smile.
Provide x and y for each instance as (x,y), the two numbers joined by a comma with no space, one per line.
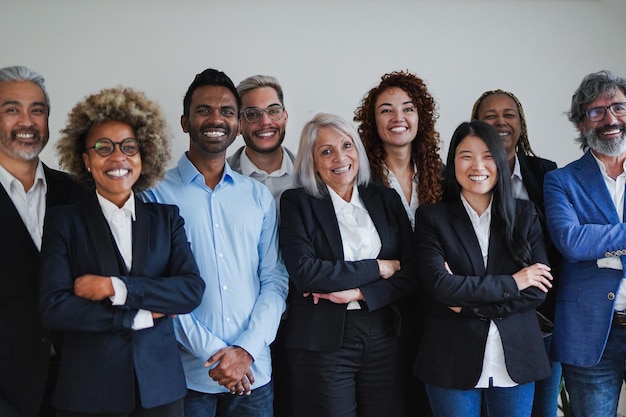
(478,177)
(341,170)
(119,172)
(214,133)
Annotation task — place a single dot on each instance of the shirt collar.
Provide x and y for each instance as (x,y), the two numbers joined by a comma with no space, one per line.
(339,203)
(108,208)
(603,167)
(189,173)
(6,178)
(472,213)
(517,171)
(248,168)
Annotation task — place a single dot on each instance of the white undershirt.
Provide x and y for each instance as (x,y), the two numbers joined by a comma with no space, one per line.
(359,236)
(410,206)
(120,222)
(31,204)
(494,365)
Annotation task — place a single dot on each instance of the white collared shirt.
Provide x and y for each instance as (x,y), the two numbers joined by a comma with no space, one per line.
(494,365)
(411,206)
(615,188)
(120,221)
(30,204)
(359,237)
(519,189)
(277,181)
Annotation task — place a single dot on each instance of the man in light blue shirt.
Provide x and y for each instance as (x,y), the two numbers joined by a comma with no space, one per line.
(231,223)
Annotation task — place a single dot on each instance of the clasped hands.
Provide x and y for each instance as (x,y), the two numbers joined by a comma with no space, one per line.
(232,370)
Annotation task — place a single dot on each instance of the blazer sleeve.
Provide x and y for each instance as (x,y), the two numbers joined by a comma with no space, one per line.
(178,288)
(531,297)
(60,309)
(404,282)
(307,255)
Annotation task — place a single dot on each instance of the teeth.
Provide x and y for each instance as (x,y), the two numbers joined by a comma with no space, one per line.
(503,134)
(214,134)
(341,170)
(25,135)
(117,172)
(265,134)
(398,129)
(611,132)
(478,177)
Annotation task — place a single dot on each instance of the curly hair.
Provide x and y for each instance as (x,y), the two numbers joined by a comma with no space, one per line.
(125,105)
(424,148)
(523,144)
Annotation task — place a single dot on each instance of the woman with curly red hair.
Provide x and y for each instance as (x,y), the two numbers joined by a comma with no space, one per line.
(397,125)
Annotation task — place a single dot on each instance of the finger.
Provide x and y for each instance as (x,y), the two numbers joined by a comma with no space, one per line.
(250,376)
(214,358)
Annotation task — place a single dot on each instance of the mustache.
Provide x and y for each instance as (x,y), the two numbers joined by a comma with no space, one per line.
(215,126)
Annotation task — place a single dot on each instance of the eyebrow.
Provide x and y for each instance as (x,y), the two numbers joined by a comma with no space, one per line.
(389,104)
(16,102)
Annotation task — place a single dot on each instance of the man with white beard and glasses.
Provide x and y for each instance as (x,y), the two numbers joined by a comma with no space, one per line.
(231,223)
(585,216)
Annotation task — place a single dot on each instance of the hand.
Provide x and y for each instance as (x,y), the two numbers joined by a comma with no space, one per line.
(455,309)
(338,297)
(93,287)
(537,275)
(242,387)
(387,267)
(234,365)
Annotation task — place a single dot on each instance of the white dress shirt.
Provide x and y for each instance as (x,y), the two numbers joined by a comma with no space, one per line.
(616,191)
(120,222)
(30,204)
(359,236)
(409,206)
(494,365)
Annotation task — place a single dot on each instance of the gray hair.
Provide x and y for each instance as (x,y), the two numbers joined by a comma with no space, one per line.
(304,169)
(257,81)
(592,86)
(22,73)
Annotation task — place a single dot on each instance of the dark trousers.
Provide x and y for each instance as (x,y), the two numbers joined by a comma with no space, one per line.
(174,409)
(365,377)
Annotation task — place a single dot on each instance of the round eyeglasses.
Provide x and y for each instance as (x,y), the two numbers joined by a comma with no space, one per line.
(596,114)
(106,147)
(254,114)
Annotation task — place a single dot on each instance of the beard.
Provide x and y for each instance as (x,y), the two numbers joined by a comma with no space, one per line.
(608,147)
(252,145)
(15,149)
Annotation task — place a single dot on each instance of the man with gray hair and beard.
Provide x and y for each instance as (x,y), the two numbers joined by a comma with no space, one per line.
(585,216)
(27,189)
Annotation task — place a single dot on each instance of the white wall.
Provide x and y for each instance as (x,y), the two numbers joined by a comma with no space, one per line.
(327,54)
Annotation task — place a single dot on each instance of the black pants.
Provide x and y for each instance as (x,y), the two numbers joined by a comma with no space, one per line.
(365,377)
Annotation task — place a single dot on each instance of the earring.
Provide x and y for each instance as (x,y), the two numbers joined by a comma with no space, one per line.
(88,169)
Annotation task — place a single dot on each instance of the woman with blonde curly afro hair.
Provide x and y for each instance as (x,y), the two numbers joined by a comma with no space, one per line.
(115,270)
(397,125)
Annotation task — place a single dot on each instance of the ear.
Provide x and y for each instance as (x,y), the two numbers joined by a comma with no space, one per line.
(286,115)
(87,161)
(581,127)
(184,123)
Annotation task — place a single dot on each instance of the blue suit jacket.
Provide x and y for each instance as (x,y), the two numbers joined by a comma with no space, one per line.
(103,359)
(585,227)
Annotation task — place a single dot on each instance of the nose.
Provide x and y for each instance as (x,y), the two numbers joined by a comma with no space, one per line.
(609,117)
(265,119)
(25,119)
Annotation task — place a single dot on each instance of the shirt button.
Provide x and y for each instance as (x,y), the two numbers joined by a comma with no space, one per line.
(217,225)
(221,255)
(506,295)
(225,287)
(610,296)
(227,318)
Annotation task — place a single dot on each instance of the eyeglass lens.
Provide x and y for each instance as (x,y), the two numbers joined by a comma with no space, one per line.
(597,113)
(105,147)
(254,114)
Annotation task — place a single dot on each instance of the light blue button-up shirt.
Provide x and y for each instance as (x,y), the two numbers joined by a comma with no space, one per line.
(233,234)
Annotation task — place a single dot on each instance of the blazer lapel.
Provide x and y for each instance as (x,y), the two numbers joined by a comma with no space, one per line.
(530,179)
(376,210)
(141,227)
(325,213)
(106,254)
(462,226)
(12,221)
(593,184)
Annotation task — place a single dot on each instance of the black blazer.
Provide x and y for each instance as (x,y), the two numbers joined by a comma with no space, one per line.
(24,343)
(452,350)
(103,358)
(311,246)
(533,170)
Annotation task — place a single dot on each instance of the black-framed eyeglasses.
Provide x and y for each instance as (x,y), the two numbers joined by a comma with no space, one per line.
(254,114)
(596,114)
(105,146)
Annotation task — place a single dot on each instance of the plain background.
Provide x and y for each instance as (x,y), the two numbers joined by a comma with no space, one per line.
(327,54)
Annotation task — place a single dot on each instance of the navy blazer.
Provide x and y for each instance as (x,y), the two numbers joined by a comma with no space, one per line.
(103,358)
(310,242)
(453,346)
(24,343)
(585,228)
